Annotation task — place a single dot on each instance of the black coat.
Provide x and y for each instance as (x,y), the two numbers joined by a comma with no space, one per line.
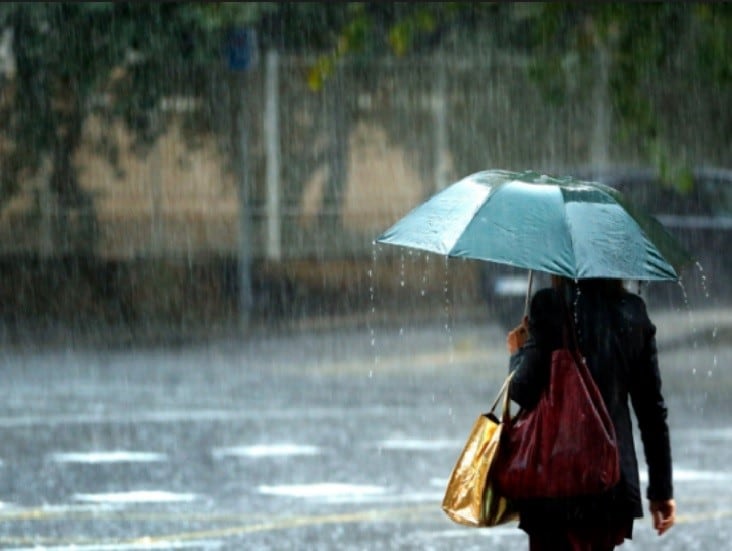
(618,341)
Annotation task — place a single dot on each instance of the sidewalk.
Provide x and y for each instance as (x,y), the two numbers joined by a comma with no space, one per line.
(482,345)
(425,328)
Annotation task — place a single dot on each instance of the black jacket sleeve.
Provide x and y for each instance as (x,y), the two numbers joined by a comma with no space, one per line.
(650,409)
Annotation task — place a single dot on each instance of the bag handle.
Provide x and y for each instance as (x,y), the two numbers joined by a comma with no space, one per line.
(503,393)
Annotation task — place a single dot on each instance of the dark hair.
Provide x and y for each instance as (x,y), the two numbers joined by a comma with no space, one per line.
(582,301)
(607,288)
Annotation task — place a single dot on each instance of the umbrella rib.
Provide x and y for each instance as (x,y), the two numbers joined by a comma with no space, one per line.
(568,225)
(469,219)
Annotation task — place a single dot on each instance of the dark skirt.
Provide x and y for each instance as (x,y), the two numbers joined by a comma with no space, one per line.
(586,537)
(592,523)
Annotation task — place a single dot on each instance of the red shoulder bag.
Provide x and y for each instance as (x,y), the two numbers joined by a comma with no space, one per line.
(566,445)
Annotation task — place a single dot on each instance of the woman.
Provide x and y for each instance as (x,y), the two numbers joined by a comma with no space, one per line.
(617,340)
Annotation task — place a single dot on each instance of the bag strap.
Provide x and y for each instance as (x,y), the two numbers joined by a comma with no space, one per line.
(503,393)
(582,366)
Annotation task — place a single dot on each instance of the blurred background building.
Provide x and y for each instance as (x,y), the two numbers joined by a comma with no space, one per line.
(265,173)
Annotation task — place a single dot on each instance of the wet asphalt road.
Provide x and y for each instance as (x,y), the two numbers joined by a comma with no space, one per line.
(309,440)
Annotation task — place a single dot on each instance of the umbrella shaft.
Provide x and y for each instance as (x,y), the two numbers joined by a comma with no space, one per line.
(528,293)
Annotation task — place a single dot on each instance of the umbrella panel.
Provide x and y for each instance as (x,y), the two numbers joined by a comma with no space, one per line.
(562,226)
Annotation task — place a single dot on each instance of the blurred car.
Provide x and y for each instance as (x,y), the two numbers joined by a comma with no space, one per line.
(698,214)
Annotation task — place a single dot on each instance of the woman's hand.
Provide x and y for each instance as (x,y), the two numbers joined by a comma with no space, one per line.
(664,515)
(517,336)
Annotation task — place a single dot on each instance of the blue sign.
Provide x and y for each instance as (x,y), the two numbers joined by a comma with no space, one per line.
(242,51)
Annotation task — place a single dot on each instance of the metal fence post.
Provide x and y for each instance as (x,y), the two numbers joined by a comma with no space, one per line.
(242,52)
(272,149)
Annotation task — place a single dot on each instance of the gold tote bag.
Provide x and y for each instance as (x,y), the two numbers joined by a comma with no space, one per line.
(470,498)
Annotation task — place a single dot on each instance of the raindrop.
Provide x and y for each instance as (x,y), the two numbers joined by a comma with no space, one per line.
(446,288)
(372,296)
(690,314)
(575,307)
(703,280)
(684,294)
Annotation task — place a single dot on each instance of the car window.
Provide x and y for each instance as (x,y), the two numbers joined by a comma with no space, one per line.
(661,198)
(710,194)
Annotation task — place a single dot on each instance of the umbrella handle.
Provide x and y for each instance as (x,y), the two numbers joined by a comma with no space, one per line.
(528,293)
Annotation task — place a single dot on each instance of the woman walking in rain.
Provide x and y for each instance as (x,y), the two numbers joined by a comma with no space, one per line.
(617,339)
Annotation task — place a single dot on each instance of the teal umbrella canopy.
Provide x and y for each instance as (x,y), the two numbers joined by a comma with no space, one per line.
(562,226)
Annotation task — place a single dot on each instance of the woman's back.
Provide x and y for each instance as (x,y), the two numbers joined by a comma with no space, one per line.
(617,339)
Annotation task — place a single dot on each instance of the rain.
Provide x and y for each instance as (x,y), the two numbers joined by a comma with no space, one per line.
(203,343)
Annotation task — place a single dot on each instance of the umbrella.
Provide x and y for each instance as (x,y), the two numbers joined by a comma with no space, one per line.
(560,225)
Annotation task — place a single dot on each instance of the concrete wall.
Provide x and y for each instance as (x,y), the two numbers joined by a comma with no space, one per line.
(411,127)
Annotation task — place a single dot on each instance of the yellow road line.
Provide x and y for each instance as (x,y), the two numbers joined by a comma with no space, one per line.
(260,524)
